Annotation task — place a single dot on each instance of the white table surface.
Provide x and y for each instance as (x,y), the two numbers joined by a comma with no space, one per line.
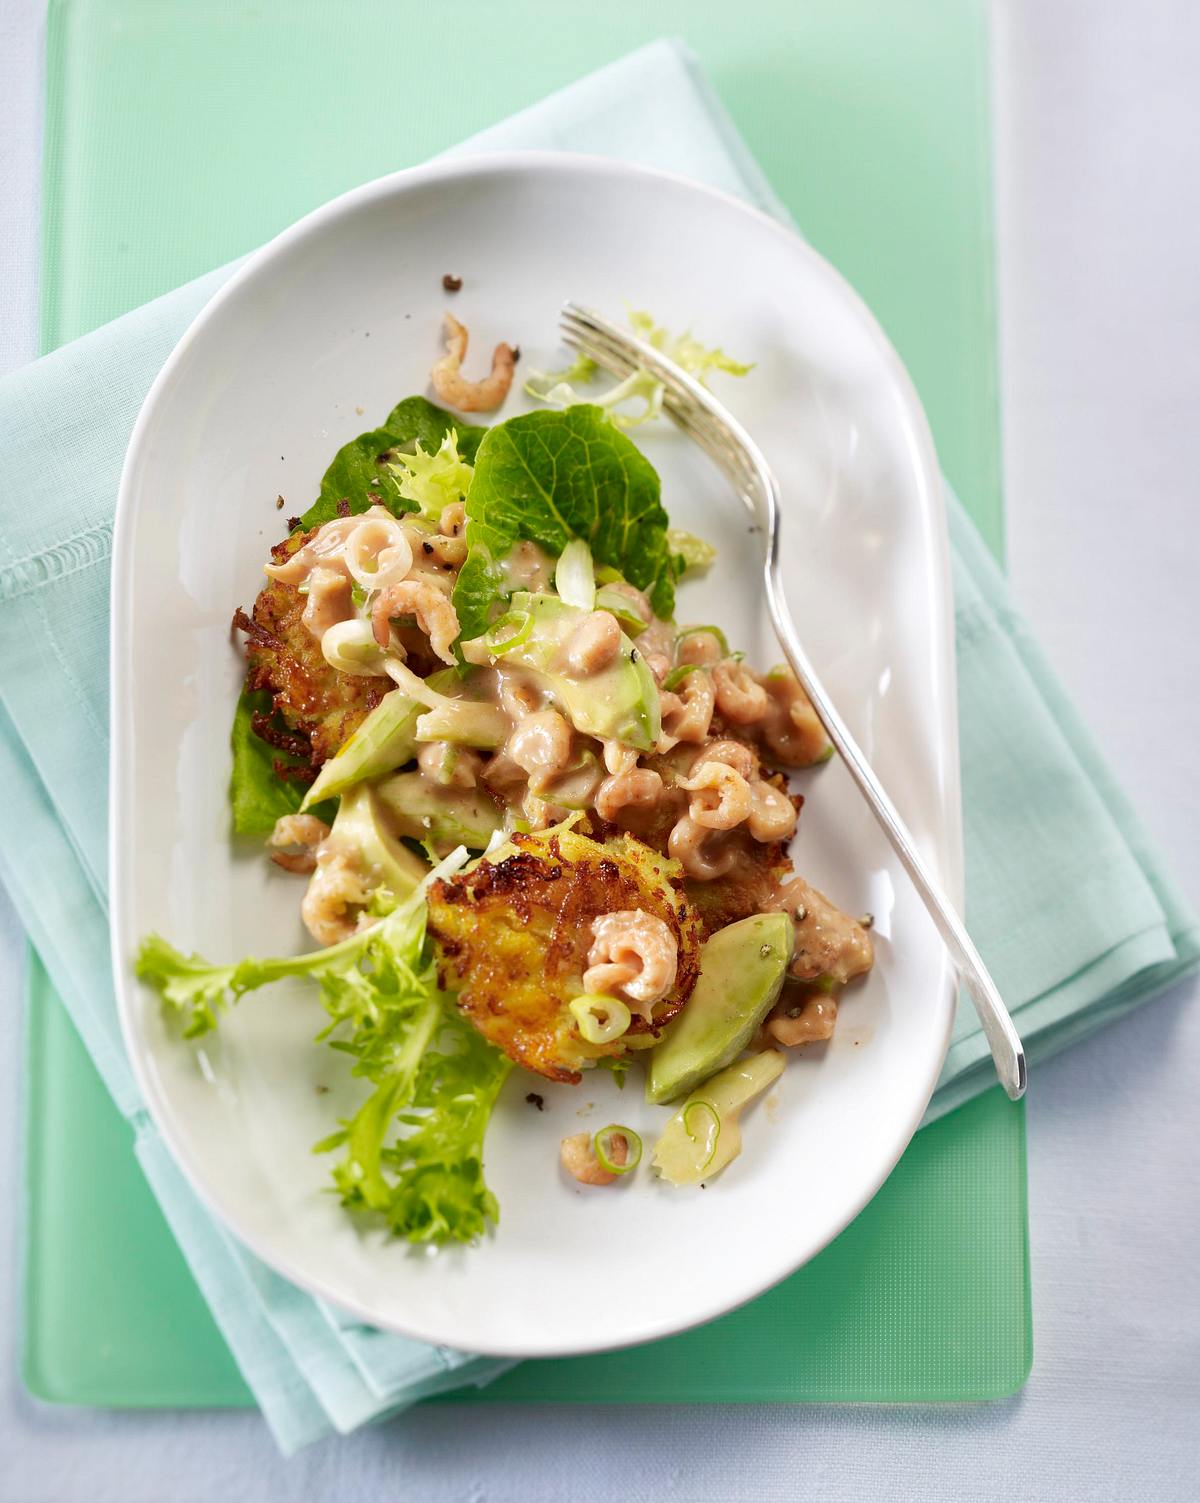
(1098,162)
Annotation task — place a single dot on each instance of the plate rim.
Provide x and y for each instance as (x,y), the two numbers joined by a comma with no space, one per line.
(948,863)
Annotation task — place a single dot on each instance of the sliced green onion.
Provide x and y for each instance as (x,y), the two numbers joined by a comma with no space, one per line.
(358,596)
(602,1145)
(677,676)
(512,630)
(601,1019)
(350,647)
(703,1108)
(574,576)
(715,631)
(606,574)
(825,984)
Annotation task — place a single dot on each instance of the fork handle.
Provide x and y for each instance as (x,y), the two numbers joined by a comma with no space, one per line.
(1002,1037)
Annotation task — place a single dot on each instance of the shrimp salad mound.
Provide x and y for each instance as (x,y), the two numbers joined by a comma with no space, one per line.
(536,818)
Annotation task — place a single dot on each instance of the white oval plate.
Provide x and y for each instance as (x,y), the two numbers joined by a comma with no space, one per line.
(311,343)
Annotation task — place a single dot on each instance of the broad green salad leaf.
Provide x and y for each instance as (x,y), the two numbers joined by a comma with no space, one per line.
(548,477)
(413,1152)
(259,792)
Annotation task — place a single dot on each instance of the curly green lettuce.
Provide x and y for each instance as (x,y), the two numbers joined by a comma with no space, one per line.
(413,1152)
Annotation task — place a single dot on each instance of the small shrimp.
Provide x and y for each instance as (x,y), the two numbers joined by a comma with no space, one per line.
(720,796)
(619,758)
(434,614)
(740,697)
(294,842)
(541,746)
(637,788)
(791,728)
(698,646)
(772,813)
(811,1023)
(659,665)
(470,396)
(701,854)
(828,942)
(578,1158)
(329,601)
(334,892)
(517,693)
(594,644)
(735,754)
(688,715)
(637,600)
(449,766)
(634,954)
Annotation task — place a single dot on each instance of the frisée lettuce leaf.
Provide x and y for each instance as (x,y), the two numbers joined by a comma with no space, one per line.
(365,470)
(549,477)
(413,1151)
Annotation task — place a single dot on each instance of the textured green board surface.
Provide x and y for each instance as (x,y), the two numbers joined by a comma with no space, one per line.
(180,135)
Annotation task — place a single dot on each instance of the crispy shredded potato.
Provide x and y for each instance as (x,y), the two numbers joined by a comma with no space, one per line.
(285,658)
(513,935)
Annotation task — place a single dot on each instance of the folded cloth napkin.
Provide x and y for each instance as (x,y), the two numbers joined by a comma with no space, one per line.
(1066,900)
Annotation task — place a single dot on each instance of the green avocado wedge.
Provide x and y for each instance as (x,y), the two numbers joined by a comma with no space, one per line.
(741,975)
(619,702)
(445,817)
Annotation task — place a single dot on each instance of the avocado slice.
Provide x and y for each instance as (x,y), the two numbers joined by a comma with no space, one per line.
(705,1134)
(618,703)
(741,975)
(446,817)
(363,830)
(385,740)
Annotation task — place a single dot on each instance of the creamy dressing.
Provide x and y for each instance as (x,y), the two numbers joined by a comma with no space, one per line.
(583,720)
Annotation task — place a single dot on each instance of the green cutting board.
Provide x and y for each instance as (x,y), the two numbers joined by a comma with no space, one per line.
(179,135)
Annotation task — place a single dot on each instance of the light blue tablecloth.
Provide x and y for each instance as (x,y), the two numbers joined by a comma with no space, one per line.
(1067,902)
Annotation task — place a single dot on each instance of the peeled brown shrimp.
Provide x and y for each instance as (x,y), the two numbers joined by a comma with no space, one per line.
(423,600)
(811,1023)
(636,787)
(686,716)
(336,890)
(633,954)
(541,747)
(454,389)
(578,1158)
(740,697)
(294,842)
(735,754)
(329,600)
(720,795)
(791,728)
(449,766)
(772,814)
(702,854)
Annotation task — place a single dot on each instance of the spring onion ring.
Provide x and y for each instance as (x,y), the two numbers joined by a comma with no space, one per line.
(601,1019)
(690,1112)
(602,1145)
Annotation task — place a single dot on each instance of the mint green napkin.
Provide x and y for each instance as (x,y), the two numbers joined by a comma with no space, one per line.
(1067,902)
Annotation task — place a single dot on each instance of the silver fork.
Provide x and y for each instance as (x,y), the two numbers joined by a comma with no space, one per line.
(703,418)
